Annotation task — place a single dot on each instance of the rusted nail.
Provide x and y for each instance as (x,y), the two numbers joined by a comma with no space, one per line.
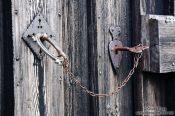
(100,72)
(16,12)
(173,64)
(17,58)
(59,13)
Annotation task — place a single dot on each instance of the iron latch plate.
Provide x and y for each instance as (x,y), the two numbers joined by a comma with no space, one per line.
(38,25)
(115,57)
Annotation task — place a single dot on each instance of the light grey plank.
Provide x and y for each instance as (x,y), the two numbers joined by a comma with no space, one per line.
(37,89)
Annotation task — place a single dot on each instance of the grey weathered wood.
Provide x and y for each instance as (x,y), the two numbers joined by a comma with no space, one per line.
(75,44)
(158,33)
(158,7)
(38,85)
(150,89)
(103,15)
(82,28)
(162,45)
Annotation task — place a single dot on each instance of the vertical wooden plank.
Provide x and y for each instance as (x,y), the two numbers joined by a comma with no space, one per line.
(109,13)
(38,85)
(75,43)
(92,55)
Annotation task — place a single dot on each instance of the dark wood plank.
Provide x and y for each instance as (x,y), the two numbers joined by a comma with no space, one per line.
(158,7)
(75,44)
(8,83)
(1,56)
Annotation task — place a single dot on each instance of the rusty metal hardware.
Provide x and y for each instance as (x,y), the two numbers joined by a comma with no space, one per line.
(67,70)
(115,58)
(44,37)
(39,37)
(115,47)
(136,49)
(115,32)
(38,25)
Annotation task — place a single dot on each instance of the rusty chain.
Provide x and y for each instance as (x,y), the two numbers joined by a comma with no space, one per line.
(67,70)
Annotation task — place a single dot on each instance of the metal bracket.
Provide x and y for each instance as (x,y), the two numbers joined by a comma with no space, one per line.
(115,58)
(115,32)
(115,48)
(36,36)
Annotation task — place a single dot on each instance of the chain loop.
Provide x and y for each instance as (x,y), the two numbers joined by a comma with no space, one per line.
(67,71)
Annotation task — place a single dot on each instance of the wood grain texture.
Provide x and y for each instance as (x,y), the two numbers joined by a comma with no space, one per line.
(158,7)
(38,85)
(156,35)
(162,45)
(150,89)
(109,13)
(75,44)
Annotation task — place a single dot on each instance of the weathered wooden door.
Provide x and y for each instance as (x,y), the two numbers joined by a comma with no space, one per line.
(32,87)
(82,28)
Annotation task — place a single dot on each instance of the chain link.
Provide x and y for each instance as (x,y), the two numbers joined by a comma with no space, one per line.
(67,71)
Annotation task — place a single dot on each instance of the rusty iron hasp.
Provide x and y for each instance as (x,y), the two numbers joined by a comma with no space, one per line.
(38,25)
(44,37)
(115,58)
(115,47)
(39,37)
(136,49)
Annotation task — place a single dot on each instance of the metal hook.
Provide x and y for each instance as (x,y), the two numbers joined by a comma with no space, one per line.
(44,37)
